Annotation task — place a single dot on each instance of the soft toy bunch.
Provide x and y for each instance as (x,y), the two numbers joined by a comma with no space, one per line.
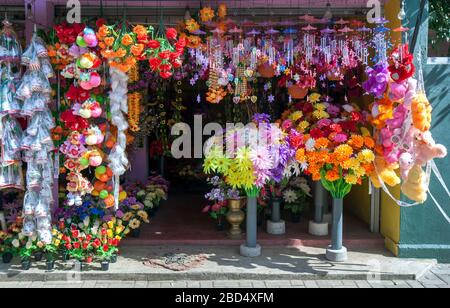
(402,116)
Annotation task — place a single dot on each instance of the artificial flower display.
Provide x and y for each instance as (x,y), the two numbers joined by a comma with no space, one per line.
(246,164)
(121,47)
(338,152)
(164,53)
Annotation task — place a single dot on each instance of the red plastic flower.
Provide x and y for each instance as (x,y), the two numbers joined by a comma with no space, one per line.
(171,33)
(153,44)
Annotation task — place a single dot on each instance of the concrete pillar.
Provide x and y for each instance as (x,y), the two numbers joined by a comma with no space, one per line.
(318,226)
(336,252)
(275,225)
(251,248)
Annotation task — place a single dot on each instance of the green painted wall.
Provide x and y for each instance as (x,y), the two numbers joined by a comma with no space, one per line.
(424,232)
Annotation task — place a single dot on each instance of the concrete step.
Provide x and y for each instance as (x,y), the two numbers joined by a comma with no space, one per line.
(225,263)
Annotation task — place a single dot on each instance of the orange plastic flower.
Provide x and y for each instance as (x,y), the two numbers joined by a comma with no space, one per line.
(222,10)
(137,49)
(120,53)
(140,30)
(301,156)
(322,143)
(109,41)
(108,53)
(356,141)
(127,40)
(206,14)
(130,61)
(102,32)
(369,142)
(332,175)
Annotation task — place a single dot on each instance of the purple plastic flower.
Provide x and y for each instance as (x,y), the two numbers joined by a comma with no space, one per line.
(261,118)
(378,78)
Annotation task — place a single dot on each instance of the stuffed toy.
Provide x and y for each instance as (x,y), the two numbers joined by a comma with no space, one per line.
(401,64)
(406,162)
(426,149)
(421,113)
(415,187)
(384,172)
(397,91)
(392,134)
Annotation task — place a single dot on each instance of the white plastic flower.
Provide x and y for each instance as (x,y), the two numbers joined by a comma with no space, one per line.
(290,196)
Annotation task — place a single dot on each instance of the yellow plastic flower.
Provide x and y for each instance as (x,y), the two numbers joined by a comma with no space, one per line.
(366,156)
(57,242)
(343,152)
(351,179)
(320,114)
(314,98)
(127,216)
(192,26)
(110,224)
(365,132)
(206,14)
(296,116)
(303,126)
(109,233)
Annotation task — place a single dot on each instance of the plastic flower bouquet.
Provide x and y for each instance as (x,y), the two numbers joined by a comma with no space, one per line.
(134,213)
(218,196)
(296,195)
(337,148)
(252,156)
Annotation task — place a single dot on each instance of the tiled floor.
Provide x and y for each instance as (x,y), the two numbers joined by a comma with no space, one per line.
(181,221)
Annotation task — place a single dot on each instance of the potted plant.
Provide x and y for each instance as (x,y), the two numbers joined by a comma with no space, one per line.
(105,253)
(295,197)
(7,250)
(26,252)
(51,250)
(134,216)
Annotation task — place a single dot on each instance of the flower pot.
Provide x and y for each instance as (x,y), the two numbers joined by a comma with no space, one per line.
(266,70)
(113,259)
(105,266)
(220,226)
(136,233)
(26,264)
(296,218)
(297,92)
(7,257)
(235,217)
(38,256)
(50,265)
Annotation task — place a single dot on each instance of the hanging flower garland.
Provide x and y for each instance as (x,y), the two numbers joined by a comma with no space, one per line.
(123,48)
(164,53)
(134,101)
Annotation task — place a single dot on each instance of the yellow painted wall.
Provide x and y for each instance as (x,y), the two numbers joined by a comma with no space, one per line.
(358,201)
(390,212)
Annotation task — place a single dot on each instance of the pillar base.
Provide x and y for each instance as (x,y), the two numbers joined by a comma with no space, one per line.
(328,218)
(276,228)
(318,229)
(250,252)
(336,255)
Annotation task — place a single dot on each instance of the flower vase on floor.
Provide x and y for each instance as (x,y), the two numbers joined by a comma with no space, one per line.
(275,225)
(235,217)
(251,248)
(336,251)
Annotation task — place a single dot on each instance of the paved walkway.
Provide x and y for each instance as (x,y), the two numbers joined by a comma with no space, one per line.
(437,277)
